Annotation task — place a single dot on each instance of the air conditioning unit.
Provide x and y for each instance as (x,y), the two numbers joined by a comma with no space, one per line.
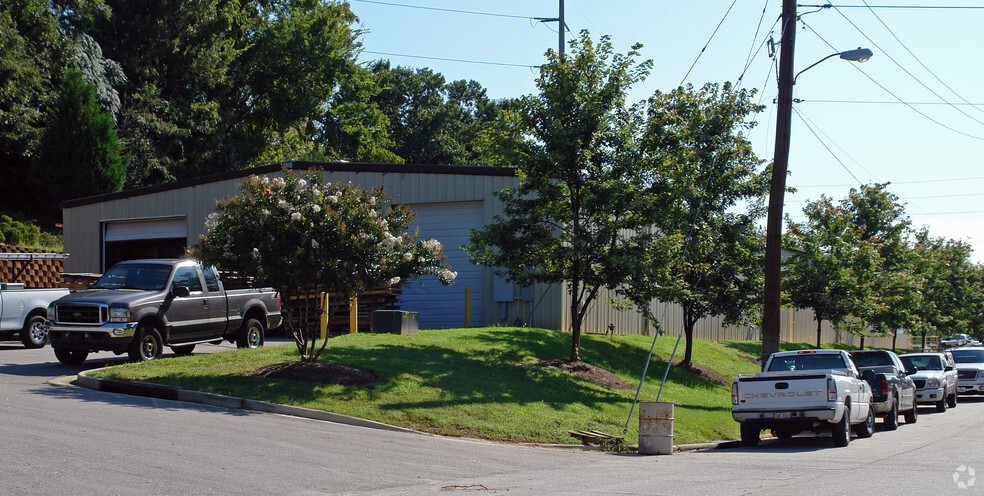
(394,322)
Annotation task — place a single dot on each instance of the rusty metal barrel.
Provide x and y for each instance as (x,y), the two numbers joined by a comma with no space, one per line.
(655,428)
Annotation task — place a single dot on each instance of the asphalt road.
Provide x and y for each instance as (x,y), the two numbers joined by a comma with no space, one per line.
(71,440)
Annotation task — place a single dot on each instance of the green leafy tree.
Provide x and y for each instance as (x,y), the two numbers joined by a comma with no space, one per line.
(713,195)
(952,288)
(433,121)
(880,220)
(303,236)
(581,213)
(832,267)
(79,152)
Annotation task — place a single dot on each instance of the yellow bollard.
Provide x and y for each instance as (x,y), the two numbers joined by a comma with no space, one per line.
(467,307)
(354,315)
(324,315)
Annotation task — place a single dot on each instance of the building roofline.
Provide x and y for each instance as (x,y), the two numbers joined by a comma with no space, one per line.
(340,166)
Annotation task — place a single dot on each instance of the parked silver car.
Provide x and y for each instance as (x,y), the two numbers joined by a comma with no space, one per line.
(936,378)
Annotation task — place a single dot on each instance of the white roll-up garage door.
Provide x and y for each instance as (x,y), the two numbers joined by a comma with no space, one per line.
(440,306)
(146,229)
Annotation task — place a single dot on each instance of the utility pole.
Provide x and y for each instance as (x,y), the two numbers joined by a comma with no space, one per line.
(561,27)
(771,318)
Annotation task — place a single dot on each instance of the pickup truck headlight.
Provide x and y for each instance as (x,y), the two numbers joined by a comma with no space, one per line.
(119,314)
(51,312)
(980,373)
(932,383)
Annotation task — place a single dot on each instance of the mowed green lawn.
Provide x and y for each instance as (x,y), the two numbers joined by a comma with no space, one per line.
(480,382)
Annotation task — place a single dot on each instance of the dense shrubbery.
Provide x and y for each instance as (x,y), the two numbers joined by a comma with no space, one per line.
(26,234)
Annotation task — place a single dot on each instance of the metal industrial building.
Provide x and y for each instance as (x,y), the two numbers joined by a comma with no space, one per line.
(450,201)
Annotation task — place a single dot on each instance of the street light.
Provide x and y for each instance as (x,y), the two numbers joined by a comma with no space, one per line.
(771,319)
(859,55)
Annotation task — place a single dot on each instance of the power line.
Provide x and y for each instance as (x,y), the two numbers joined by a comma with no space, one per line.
(702,50)
(827,5)
(455,11)
(882,102)
(886,90)
(913,76)
(443,59)
(927,197)
(921,181)
(832,154)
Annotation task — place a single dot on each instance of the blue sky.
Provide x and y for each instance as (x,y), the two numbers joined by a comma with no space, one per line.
(850,127)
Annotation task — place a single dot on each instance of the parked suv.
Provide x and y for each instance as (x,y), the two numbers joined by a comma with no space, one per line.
(970,369)
(935,378)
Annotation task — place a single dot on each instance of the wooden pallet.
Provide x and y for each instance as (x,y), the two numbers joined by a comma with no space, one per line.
(589,437)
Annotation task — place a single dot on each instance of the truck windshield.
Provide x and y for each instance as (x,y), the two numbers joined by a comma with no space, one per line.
(875,359)
(807,362)
(143,276)
(925,362)
(968,356)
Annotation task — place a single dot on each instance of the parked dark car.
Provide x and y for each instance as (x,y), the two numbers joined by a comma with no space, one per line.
(893,391)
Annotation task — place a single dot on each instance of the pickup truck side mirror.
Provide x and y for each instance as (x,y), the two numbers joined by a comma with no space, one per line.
(911,370)
(948,368)
(181,292)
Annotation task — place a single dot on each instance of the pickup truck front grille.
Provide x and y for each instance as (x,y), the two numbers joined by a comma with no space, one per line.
(966,374)
(81,314)
(920,383)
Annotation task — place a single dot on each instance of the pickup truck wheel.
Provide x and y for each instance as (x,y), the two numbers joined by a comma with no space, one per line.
(147,345)
(912,415)
(891,421)
(251,334)
(71,357)
(951,400)
(183,350)
(867,428)
(33,335)
(842,431)
(750,435)
(941,405)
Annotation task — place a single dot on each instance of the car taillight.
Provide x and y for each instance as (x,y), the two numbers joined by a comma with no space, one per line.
(734,393)
(831,389)
(884,384)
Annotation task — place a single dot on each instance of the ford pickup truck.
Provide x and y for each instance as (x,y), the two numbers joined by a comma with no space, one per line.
(22,312)
(805,390)
(970,369)
(893,391)
(138,307)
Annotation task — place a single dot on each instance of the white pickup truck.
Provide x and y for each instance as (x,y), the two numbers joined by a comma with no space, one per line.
(803,390)
(22,311)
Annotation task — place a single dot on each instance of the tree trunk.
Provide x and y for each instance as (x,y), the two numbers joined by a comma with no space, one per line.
(862,342)
(894,338)
(688,333)
(819,324)
(575,327)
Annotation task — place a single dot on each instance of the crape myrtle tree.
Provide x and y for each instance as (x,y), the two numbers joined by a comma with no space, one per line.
(581,213)
(303,236)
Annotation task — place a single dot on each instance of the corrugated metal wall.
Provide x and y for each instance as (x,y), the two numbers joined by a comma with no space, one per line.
(797,326)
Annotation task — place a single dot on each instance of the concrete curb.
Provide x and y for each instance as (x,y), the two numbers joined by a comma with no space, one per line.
(160,391)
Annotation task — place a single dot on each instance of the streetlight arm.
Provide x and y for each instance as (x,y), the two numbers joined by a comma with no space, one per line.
(813,64)
(859,55)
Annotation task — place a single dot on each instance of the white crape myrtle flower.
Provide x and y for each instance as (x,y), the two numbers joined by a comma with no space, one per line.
(265,213)
(432,245)
(372,201)
(279,181)
(408,256)
(447,276)
(265,180)
(394,281)
(212,221)
(316,208)
(295,216)
(301,184)
(315,244)
(283,204)
(256,253)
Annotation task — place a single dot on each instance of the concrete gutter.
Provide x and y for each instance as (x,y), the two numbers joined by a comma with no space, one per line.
(164,392)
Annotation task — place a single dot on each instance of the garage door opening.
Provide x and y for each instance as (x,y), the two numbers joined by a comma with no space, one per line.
(145,238)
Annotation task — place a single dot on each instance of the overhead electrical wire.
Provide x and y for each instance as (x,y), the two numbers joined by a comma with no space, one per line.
(930,71)
(443,59)
(751,49)
(832,154)
(910,74)
(702,50)
(880,102)
(828,5)
(454,11)
(886,90)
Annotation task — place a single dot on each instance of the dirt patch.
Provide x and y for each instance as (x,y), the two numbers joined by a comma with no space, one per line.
(587,372)
(317,373)
(705,373)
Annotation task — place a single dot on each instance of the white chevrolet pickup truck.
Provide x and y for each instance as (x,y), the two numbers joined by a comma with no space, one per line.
(22,311)
(813,390)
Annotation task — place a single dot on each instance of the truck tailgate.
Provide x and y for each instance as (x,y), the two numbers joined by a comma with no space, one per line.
(782,391)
